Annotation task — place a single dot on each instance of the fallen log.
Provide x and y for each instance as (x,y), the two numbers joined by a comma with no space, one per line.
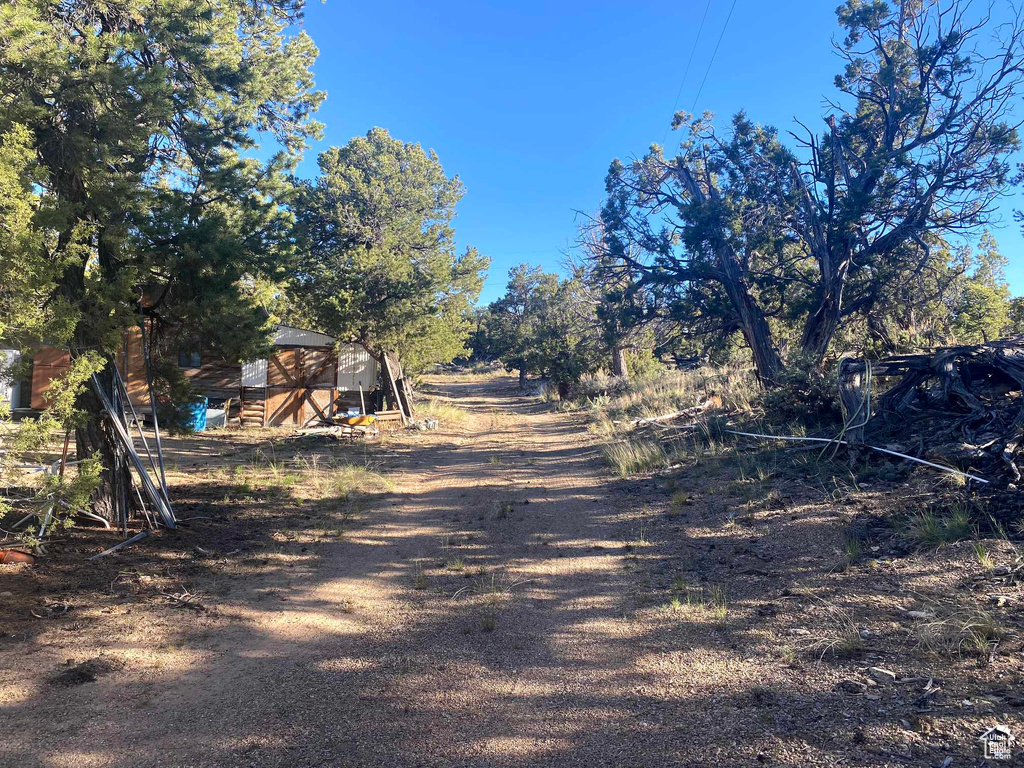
(714,401)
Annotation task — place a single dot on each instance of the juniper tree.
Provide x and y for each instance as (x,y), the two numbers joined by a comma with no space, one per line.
(750,234)
(545,326)
(626,306)
(376,260)
(512,321)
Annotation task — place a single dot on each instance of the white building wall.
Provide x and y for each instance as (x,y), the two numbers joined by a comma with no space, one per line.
(10,391)
(356,368)
(287,336)
(254,373)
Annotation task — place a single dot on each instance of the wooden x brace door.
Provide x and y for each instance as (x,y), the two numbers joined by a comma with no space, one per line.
(284,402)
(319,378)
(300,386)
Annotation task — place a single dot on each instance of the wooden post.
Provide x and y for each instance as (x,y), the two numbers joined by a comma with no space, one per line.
(391,387)
(854,399)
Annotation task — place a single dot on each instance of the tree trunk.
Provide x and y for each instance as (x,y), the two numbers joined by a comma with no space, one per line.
(822,324)
(391,382)
(96,437)
(751,318)
(855,402)
(522,378)
(752,321)
(619,367)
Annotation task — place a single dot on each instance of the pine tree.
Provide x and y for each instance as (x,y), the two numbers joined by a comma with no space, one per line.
(140,116)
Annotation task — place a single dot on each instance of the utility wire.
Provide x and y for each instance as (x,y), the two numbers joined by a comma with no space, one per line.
(686,71)
(724,27)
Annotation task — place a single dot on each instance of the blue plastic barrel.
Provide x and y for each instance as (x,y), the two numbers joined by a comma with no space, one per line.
(193,415)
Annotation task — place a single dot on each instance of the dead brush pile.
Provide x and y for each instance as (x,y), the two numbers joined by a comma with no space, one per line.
(958,410)
(961,405)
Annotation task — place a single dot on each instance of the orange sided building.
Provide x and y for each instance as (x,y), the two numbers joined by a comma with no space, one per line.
(309,377)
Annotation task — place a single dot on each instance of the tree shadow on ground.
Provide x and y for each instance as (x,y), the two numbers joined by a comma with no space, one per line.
(488,628)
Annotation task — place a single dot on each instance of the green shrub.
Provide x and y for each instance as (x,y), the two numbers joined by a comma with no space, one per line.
(642,364)
(805,395)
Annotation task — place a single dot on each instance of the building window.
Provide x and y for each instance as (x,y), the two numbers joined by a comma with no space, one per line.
(189,358)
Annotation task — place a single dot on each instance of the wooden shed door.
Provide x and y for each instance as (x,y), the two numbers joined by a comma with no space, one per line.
(284,396)
(300,385)
(319,379)
(48,364)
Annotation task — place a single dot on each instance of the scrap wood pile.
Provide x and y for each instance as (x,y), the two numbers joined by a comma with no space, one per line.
(397,391)
(350,426)
(957,404)
(339,431)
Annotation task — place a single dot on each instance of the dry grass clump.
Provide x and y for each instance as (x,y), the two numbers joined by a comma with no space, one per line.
(333,485)
(931,529)
(630,457)
(966,632)
(448,415)
(678,501)
(649,452)
(615,406)
(264,473)
(419,578)
(489,622)
(839,637)
(601,426)
(478,371)
(712,600)
(650,396)
(339,482)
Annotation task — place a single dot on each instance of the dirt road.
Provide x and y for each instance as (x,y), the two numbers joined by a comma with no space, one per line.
(495,609)
(473,621)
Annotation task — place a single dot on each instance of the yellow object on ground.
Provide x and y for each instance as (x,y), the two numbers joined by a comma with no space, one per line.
(354,421)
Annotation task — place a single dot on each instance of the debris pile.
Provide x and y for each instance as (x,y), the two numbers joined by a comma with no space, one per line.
(957,404)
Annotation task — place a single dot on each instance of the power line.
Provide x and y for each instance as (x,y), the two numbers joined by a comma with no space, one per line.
(724,27)
(686,71)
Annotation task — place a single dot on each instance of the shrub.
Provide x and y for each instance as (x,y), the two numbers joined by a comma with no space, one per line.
(642,364)
(805,395)
(599,386)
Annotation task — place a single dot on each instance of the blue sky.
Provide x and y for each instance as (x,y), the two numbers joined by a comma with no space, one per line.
(529,101)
